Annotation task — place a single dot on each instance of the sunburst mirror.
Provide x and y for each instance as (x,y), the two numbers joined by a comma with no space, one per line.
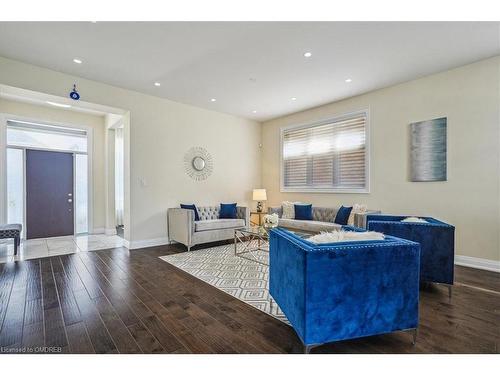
(198,163)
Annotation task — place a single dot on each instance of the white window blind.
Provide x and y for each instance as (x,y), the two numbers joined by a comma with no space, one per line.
(327,156)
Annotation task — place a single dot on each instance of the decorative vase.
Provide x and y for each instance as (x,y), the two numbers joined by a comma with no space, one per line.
(271,221)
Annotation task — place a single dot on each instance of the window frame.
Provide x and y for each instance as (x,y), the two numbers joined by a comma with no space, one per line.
(44,128)
(309,189)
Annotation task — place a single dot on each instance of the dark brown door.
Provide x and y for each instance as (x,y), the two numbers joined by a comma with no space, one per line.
(49,194)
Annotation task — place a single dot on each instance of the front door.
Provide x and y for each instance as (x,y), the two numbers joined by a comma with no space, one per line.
(49,194)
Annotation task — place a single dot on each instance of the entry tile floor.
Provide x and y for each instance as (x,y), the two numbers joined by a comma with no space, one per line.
(40,248)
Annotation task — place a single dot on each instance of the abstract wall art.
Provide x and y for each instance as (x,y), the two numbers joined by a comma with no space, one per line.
(428,150)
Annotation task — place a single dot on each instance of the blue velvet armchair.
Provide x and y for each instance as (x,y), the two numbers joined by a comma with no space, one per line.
(436,239)
(344,290)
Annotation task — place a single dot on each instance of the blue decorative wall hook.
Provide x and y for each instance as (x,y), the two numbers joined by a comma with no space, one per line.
(74,94)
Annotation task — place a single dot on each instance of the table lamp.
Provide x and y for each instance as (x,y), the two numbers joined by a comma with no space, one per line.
(259,195)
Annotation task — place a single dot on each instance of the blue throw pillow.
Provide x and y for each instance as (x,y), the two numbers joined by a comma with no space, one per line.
(227,211)
(192,207)
(343,214)
(303,211)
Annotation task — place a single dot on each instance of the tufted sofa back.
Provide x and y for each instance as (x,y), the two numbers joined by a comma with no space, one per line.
(212,212)
(325,214)
(208,212)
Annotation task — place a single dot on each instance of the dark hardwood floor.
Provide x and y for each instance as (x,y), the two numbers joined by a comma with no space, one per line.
(120,301)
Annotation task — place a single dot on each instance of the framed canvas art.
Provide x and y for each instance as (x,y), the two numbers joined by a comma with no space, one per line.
(428,150)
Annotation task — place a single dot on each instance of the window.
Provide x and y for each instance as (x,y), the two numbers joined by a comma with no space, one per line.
(23,134)
(330,156)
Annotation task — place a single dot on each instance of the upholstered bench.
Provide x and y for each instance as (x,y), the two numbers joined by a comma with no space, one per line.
(344,290)
(12,231)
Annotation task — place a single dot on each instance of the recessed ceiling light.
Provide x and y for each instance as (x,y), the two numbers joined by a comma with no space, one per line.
(157,84)
(294,98)
(213,100)
(348,80)
(254,111)
(308,54)
(77,61)
(59,104)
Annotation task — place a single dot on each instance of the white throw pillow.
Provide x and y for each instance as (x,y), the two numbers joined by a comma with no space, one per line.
(414,220)
(356,209)
(288,210)
(345,236)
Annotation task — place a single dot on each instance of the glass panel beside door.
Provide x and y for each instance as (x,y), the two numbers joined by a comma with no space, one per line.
(15,186)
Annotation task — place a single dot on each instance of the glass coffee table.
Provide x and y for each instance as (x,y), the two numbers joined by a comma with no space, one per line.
(252,243)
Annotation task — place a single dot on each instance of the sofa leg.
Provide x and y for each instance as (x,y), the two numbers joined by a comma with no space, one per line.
(449,291)
(414,337)
(307,348)
(17,242)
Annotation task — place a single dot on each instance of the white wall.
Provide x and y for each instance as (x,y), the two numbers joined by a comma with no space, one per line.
(160,133)
(469,97)
(96,123)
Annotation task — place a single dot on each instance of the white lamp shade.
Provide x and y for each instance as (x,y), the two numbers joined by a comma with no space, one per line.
(259,195)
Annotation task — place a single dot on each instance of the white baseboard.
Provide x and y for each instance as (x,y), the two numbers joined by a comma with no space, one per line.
(110,231)
(140,244)
(480,263)
(98,231)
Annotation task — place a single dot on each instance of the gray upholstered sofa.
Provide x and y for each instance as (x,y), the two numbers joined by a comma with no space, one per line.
(184,229)
(323,219)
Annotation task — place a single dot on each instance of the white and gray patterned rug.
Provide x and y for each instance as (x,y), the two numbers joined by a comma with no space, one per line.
(240,277)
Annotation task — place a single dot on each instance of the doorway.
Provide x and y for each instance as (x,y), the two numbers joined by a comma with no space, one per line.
(48,176)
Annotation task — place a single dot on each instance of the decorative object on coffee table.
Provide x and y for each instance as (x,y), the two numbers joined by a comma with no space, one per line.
(271,221)
(198,163)
(259,195)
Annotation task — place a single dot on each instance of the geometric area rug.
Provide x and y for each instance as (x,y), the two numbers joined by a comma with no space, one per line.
(240,277)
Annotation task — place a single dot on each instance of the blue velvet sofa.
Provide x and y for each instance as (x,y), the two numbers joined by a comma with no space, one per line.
(436,239)
(344,290)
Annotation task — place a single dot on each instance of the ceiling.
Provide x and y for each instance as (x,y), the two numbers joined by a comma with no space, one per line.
(252,69)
